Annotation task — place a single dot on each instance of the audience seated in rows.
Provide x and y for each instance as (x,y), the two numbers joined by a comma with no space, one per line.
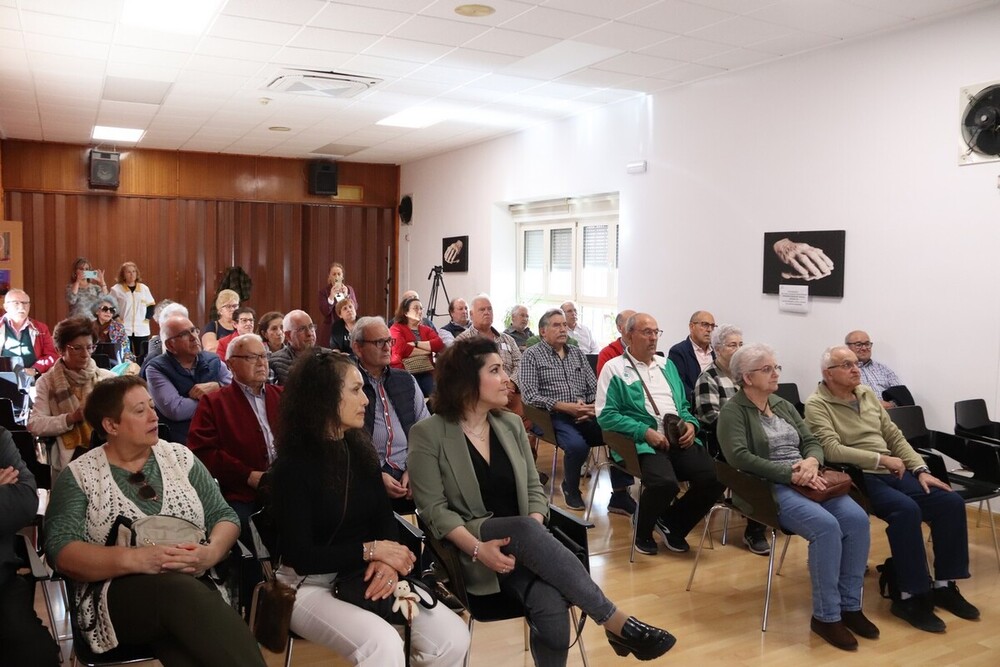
(336,523)
(556,377)
(155,595)
(712,390)
(764,435)
(853,427)
(300,337)
(616,347)
(476,486)
(244,319)
(575,328)
(233,429)
(24,337)
(61,393)
(519,329)
(876,375)
(636,393)
(183,375)
(694,354)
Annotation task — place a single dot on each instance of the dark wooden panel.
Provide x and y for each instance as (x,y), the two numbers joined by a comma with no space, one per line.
(64,168)
(183,246)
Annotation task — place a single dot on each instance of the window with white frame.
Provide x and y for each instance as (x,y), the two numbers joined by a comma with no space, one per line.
(567,250)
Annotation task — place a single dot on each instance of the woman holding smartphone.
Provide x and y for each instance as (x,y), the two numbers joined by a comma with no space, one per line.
(86,286)
(335,290)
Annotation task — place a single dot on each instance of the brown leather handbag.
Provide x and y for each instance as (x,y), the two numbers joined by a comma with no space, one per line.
(837,484)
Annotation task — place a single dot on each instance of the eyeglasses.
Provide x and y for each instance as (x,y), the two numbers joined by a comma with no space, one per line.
(108,309)
(252,358)
(847,365)
(651,333)
(231,306)
(733,346)
(767,370)
(80,348)
(146,492)
(191,334)
(706,325)
(302,330)
(380,342)
(245,320)
(17,303)
(861,345)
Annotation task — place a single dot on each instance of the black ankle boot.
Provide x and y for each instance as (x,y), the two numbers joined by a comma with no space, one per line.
(643,641)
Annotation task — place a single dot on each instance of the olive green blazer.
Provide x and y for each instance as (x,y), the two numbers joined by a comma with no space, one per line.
(447,493)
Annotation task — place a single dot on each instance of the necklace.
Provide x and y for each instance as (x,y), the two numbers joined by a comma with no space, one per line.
(481,435)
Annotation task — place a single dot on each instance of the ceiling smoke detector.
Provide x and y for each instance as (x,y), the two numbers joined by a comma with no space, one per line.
(321,84)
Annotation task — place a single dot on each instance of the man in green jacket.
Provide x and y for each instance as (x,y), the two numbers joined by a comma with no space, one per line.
(853,427)
(634,394)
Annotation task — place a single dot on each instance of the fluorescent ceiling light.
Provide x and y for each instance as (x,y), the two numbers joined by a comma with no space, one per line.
(418,117)
(124,134)
(189,17)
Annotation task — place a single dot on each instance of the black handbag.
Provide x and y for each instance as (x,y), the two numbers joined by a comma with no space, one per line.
(351,588)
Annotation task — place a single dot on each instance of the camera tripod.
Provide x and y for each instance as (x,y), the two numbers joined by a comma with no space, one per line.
(431,310)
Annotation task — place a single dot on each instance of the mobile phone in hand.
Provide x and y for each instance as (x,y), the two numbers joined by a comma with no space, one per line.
(90,275)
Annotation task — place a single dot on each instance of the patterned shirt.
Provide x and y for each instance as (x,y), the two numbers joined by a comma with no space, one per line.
(520,337)
(388,434)
(510,353)
(545,378)
(878,376)
(259,406)
(711,392)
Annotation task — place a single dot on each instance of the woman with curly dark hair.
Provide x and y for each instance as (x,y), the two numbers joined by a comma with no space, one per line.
(475,484)
(334,519)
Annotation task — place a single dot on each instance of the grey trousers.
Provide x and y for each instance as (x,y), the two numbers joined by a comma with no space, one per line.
(547,579)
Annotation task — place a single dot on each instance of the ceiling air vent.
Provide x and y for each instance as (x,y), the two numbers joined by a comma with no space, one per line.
(321,84)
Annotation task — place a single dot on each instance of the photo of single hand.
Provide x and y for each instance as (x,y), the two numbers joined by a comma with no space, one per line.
(807,262)
(453,253)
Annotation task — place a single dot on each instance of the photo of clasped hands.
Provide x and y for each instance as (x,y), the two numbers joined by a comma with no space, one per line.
(806,261)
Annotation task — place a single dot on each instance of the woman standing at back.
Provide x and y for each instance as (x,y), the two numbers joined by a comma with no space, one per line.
(134,300)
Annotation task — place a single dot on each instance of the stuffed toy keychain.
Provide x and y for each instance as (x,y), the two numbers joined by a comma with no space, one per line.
(406,602)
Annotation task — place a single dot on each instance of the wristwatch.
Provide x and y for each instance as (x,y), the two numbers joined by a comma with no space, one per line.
(921,469)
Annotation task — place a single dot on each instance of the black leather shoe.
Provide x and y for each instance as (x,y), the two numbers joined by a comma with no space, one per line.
(834,633)
(918,611)
(858,623)
(643,641)
(950,599)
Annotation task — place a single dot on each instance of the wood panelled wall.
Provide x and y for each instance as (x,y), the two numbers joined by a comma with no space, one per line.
(184,241)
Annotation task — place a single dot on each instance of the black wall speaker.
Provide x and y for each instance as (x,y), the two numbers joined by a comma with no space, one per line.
(104,169)
(322,178)
(406,209)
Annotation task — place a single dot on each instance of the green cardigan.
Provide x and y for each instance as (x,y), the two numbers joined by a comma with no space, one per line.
(447,493)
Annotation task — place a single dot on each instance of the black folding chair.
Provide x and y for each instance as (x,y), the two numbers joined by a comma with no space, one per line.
(972,420)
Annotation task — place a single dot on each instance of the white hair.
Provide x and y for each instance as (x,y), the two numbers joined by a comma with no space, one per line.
(722,332)
(746,358)
(169,311)
(239,341)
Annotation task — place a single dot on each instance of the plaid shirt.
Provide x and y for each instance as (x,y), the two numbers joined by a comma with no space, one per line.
(510,353)
(711,392)
(878,376)
(545,378)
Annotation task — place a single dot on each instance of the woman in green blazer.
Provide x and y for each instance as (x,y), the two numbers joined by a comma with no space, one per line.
(475,484)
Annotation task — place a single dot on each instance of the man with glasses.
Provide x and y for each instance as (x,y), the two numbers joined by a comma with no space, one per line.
(300,336)
(877,376)
(848,419)
(233,429)
(636,392)
(181,377)
(395,403)
(25,338)
(244,319)
(693,355)
(556,377)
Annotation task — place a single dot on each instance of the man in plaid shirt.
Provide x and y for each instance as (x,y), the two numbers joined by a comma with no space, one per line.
(556,377)
(873,374)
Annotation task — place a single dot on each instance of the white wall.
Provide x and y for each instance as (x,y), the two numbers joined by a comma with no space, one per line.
(861,137)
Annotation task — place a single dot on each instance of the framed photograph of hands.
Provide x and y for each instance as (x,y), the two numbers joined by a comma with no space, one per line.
(815,259)
(455,254)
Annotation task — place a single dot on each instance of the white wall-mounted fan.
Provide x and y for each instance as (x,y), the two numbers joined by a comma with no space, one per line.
(980,123)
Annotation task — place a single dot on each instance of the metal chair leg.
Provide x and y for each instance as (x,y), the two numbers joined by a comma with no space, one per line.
(288,651)
(784,550)
(993,528)
(593,492)
(701,544)
(552,474)
(468,654)
(635,526)
(576,624)
(770,576)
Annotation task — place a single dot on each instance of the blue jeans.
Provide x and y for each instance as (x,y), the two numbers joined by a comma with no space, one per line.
(839,535)
(903,504)
(576,439)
